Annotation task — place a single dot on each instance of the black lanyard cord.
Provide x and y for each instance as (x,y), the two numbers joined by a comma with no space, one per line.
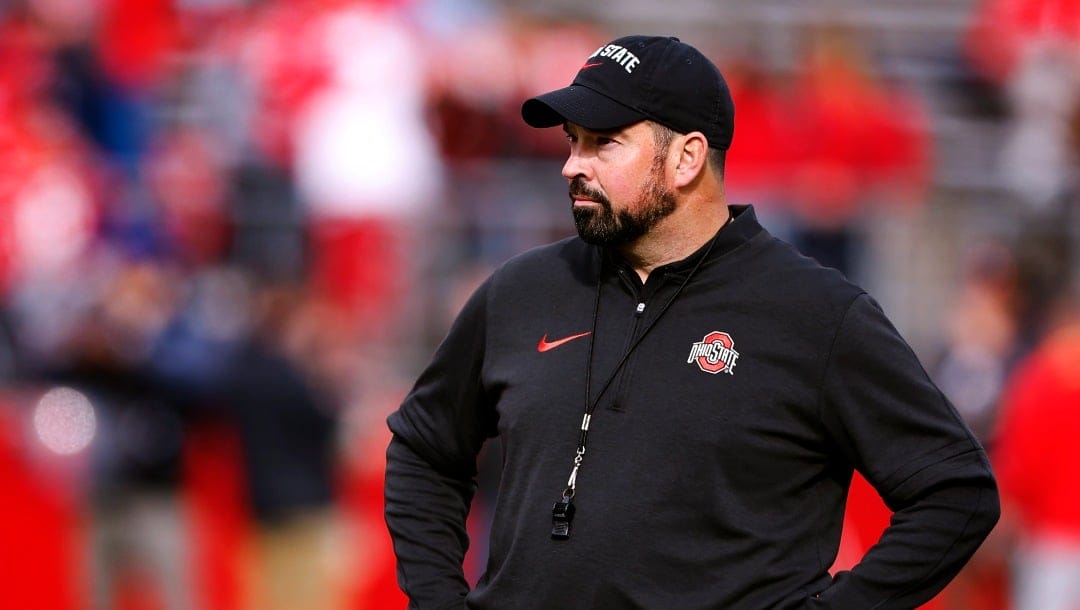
(563,510)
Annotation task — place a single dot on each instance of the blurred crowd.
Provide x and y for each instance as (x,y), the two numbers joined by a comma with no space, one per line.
(232,230)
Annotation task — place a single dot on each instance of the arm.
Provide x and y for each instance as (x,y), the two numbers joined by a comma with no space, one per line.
(884,415)
(431,465)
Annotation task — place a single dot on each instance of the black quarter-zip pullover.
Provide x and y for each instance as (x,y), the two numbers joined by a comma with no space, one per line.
(719,452)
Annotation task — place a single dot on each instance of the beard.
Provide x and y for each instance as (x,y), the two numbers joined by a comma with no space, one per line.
(603,226)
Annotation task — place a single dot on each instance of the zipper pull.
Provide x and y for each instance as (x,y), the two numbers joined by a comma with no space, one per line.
(640,308)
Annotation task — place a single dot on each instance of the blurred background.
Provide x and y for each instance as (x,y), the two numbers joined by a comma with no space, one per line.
(232,232)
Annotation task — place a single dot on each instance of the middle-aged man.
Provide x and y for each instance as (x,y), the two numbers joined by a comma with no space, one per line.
(682,398)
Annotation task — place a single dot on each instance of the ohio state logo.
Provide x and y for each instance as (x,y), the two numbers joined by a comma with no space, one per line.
(715,353)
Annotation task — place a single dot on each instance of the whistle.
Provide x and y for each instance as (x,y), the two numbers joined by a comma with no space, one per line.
(562,513)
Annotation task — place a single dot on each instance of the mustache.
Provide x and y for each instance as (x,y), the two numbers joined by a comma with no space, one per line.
(580,190)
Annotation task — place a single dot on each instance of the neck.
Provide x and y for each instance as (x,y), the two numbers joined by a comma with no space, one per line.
(676,237)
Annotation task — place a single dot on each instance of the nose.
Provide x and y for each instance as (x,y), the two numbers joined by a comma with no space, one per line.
(575,166)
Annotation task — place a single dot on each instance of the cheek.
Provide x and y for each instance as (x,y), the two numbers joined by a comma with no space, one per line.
(622,188)
(627,188)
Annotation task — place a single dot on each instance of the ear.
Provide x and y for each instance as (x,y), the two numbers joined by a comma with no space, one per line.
(692,152)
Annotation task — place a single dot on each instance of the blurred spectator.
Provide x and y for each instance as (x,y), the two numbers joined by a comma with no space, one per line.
(286,421)
(470,98)
(1046,246)
(983,340)
(1031,48)
(857,142)
(755,166)
(256,360)
(1036,461)
(982,337)
(366,166)
(139,537)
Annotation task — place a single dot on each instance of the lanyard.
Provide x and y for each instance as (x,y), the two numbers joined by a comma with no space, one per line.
(562,512)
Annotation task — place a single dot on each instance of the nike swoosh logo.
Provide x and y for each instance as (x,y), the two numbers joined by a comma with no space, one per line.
(546,345)
(593,65)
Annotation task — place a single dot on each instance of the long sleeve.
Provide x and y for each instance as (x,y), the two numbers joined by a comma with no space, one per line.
(884,415)
(431,465)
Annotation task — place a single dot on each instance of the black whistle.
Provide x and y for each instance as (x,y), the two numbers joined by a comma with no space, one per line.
(562,513)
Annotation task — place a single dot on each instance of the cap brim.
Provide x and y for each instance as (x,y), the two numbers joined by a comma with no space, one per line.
(580,105)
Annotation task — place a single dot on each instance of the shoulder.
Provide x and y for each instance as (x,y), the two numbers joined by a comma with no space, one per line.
(789,277)
(567,261)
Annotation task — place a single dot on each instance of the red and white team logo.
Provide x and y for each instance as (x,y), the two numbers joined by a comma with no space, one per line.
(715,353)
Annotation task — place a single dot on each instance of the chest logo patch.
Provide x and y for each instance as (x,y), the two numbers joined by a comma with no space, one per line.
(715,353)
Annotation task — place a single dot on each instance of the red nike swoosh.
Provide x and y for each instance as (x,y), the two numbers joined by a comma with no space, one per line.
(546,345)
(588,65)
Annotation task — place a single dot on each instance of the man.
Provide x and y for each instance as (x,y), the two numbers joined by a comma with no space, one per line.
(681,397)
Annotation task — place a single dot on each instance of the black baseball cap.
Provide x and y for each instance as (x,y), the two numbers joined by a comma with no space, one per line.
(634,78)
